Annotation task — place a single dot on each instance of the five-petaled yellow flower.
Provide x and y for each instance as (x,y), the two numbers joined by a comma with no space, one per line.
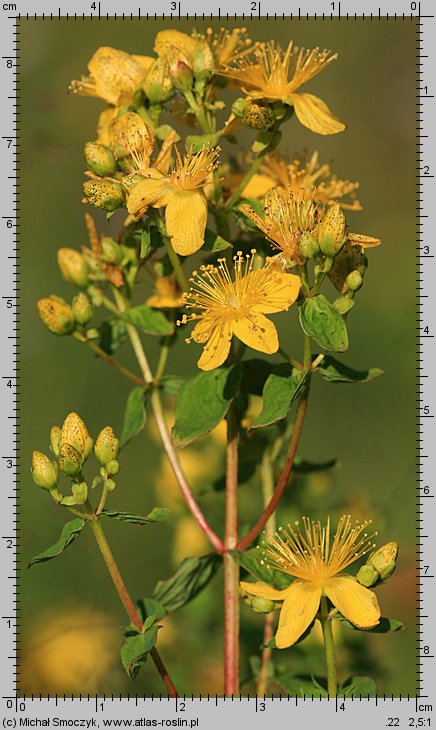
(275,74)
(315,561)
(227,307)
(115,76)
(181,193)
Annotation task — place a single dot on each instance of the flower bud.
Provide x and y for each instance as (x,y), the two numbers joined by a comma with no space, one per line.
(131,181)
(113,467)
(55,439)
(262,605)
(115,76)
(44,471)
(75,433)
(367,576)
(73,266)
(331,231)
(129,134)
(104,194)
(308,245)
(111,251)
(70,460)
(107,446)
(99,159)
(239,106)
(202,61)
(158,85)
(257,116)
(82,308)
(166,39)
(56,314)
(354,280)
(384,559)
(179,69)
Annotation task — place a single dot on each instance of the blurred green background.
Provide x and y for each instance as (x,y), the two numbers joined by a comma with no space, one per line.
(369,428)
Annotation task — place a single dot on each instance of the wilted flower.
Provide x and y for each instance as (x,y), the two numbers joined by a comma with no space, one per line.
(115,77)
(168,294)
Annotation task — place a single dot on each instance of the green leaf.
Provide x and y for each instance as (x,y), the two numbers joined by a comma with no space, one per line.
(301,466)
(70,532)
(214,242)
(358,687)
(145,240)
(135,650)
(385,625)
(322,321)
(134,416)
(335,371)
(203,402)
(302,686)
(149,320)
(250,560)
(171,384)
(192,575)
(158,514)
(281,388)
(150,607)
(112,334)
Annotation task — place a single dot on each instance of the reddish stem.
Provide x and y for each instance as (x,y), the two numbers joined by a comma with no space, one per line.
(231,567)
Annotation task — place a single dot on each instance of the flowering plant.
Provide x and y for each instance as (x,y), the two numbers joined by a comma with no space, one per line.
(228,242)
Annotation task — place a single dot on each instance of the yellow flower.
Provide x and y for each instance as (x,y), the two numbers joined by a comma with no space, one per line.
(167,295)
(227,308)
(115,76)
(311,180)
(228,45)
(315,561)
(167,39)
(275,74)
(181,193)
(286,218)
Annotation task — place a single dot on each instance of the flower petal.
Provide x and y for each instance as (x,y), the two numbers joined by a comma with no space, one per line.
(298,611)
(315,114)
(357,603)
(217,347)
(257,332)
(264,591)
(358,239)
(185,218)
(277,292)
(154,190)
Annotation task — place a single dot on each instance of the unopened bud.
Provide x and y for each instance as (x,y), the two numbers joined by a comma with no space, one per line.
(131,181)
(107,446)
(129,134)
(158,85)
(100,159)
(82,308)
(73,266)
(70,460)
(113,467)
(75,433)
(262,605)
(104,194)
(180,70)
(354,281)
(44,471)
(239,106)
(111,250)
(367,576)
(308,245)
(56,314)
(331,231)
(202,61)
(55,439)
(257,116)
(384,559)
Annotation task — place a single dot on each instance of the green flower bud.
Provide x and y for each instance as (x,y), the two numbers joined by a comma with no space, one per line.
(384,559)
(75,433)
(100,159)
(367,576)
(257,116)
(130,181)
(308,245)
(70,460)
(331,231)
(158,85)
(82,308)
(354,281)
(56,314)
(179,69)
(107,446)
(109,484)
(104,194)
(55,439)
(113,467)
(239,106)
(263,605)
(44,471)
(111,251)
(73,266)
(202,61)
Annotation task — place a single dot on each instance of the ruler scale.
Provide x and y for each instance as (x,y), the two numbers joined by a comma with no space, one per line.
(213,711)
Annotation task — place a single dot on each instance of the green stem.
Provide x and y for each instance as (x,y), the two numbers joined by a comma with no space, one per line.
(200,114)
(329,648)
(124,596)
(289,359)
(231,567)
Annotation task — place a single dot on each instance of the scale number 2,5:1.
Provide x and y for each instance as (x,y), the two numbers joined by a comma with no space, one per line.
(412,722)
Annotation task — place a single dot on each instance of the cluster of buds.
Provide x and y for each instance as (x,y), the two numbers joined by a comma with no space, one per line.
(71,445)
(379,566)
(62,318)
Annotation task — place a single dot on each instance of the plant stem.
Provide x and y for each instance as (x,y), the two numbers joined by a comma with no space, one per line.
(231,567)
(290,456)
(164,433)
(127,602)
(329,648)
(115,363)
